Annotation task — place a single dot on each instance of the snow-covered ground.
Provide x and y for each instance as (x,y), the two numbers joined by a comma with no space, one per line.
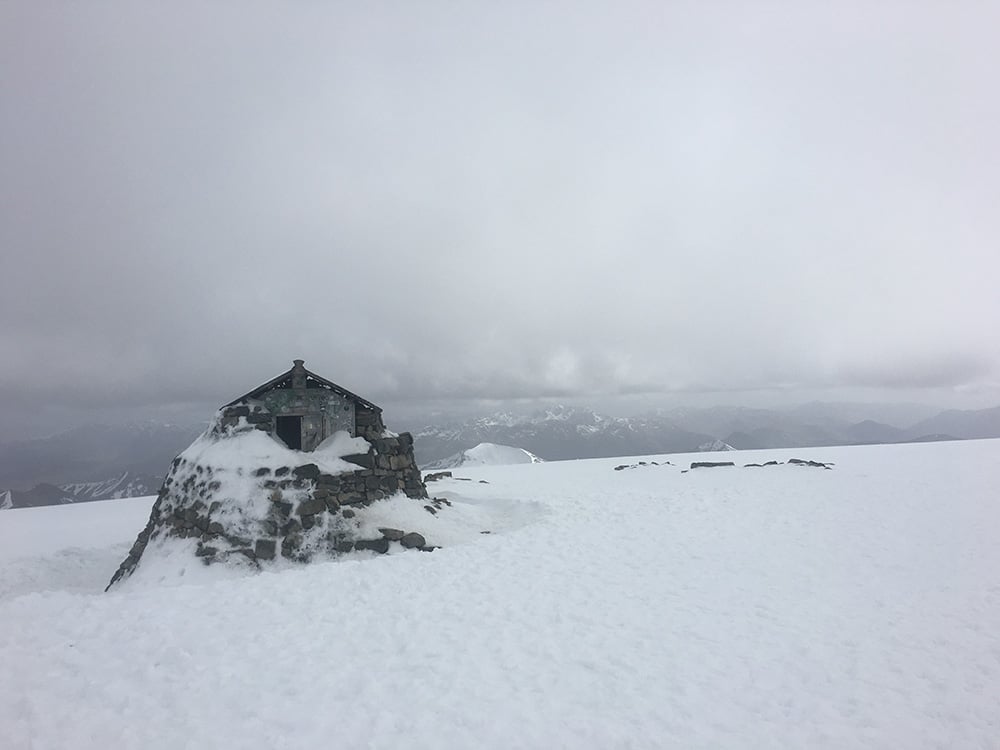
(775,607)
(67,548)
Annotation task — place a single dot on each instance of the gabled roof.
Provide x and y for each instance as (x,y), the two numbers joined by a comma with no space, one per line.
(312,381)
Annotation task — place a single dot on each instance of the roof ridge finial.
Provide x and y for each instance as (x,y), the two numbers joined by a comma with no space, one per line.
(299,374)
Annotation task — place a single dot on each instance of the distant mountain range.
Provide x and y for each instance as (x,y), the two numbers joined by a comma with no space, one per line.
(568,432)
(558,433)
(95,462)
(101,462)
(983,423)
(125,485)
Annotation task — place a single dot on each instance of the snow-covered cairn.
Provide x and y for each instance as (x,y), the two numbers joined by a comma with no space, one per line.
(240,495)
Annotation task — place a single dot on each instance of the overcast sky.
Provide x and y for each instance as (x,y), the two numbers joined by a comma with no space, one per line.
(454,201)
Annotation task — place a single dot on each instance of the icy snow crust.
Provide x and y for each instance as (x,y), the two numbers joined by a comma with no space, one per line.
(775,607)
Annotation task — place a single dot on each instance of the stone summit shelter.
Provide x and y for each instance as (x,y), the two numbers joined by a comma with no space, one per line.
(302,409)
(286,470)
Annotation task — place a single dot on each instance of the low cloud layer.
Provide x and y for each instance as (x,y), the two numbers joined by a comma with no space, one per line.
(494,202)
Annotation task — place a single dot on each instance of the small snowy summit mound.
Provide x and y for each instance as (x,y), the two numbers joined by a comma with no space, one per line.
(715,445)
(487,454)
(286,471)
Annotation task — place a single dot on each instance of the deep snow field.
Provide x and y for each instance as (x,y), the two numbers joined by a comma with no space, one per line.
(776,607)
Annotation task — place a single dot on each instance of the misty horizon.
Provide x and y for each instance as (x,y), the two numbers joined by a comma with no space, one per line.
(449,207)
(412,415)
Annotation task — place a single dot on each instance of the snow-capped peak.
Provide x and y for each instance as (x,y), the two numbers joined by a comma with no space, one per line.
(713,446)
(487,454)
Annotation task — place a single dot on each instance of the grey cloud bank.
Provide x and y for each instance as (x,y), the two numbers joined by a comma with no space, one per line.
(493,202)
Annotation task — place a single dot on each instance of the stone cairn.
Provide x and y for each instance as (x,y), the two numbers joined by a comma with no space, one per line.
(297,512)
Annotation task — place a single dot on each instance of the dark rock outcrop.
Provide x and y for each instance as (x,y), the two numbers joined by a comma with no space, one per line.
(803,462)
(436,475)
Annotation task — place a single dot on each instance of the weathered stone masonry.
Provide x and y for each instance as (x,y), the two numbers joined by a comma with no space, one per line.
(295,512)
(390,458)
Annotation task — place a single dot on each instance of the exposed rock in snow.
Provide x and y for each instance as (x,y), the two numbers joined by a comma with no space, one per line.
(715,445)
(435,476)
(487,454)
(805,462)
(622,467)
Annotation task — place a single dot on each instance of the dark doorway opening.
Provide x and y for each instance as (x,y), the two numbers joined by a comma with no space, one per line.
(289,429)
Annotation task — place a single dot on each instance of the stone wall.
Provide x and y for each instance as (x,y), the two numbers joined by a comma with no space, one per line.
(367,423)
(253,414)
(296,512)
